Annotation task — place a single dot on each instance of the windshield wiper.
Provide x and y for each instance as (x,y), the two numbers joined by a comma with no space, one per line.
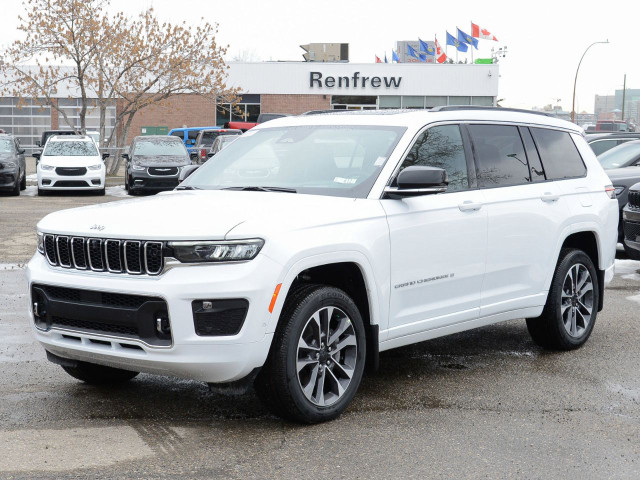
(263,189)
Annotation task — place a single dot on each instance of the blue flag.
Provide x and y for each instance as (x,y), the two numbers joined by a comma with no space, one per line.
(385,57)
(394,56)
(426,48)
(451,40)
(423,58)
(468,39)
(411,51)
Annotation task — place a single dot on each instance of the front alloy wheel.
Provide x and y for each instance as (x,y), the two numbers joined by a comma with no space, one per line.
(327,353)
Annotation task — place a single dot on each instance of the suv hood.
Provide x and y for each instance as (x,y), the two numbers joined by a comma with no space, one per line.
(70,161)
(208,215)
(160,160)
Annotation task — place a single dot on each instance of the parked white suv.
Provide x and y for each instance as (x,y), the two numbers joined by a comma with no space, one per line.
(314,242)
(70,162)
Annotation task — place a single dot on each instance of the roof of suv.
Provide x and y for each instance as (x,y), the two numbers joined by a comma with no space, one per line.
(611,135)
(419,118)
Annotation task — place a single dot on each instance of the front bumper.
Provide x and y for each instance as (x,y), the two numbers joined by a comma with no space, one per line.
(204,358)
(8,179)
(631,228)
(92,180)
(141,180)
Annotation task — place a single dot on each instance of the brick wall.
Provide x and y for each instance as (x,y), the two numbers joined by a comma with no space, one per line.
(294,103)
(175,112)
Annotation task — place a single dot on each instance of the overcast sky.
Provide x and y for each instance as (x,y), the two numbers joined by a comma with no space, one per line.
(545,39)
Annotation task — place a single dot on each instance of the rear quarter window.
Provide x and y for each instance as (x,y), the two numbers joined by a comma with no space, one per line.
(559,155)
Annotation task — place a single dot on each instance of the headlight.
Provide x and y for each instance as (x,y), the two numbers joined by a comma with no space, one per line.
(95,167)
(138,167)
(46,167)
(9,164)
(234,251)
(40,242)
(619,190)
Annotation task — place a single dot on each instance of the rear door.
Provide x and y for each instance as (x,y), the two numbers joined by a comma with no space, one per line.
(438,242)
(525,215)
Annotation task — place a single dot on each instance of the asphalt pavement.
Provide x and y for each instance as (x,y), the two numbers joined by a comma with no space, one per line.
(481,404)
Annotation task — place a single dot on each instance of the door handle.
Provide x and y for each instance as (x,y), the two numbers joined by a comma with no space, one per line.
(469,206)
(549,197)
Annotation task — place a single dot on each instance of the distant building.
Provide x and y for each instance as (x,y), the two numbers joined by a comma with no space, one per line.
(326,52)
(603,107)
(631,99)
(402,50)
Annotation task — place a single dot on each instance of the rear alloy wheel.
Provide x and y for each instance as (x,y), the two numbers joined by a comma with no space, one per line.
(317,357)
(99,374)
(572,304)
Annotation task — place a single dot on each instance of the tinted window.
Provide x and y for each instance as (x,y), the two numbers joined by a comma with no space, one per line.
(559,154)
(499,154)
(178,134)
(535,166)
(441,147)
(601,146)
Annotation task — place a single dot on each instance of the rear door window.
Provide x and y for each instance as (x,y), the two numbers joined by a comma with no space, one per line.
(500,157)
(559,155)
(535,165)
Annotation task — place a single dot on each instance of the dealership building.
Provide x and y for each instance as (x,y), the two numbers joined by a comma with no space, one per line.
(282,87)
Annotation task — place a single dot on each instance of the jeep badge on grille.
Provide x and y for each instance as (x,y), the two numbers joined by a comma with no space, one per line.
(95,226)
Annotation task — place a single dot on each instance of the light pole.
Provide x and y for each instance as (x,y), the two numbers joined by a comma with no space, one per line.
(573,106)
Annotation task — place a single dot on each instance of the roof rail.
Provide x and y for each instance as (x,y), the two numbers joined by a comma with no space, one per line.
(453,108)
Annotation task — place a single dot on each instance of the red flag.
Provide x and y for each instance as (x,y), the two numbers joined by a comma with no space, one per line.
(483,33)
(441,57)
(378,59)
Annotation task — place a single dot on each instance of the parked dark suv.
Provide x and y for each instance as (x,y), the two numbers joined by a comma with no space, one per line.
(154,163)
(13,171)
(205,140)
(631,223)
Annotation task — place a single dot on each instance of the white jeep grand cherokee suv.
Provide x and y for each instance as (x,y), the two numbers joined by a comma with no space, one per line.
(314,242)
(70,162)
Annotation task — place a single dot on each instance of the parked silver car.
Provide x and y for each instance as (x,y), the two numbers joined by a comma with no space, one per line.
(13,169)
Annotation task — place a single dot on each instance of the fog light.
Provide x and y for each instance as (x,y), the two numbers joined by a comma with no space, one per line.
(46,182)
(95,181)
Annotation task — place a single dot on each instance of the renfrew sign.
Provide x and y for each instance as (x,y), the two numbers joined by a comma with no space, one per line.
(354,81)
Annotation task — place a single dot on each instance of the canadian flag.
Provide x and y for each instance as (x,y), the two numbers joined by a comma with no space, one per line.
(378,59)
(441,57)
(483,33)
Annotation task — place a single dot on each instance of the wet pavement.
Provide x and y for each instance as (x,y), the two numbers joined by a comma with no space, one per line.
(481,404)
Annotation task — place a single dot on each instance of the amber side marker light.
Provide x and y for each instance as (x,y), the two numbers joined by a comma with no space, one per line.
(274,298)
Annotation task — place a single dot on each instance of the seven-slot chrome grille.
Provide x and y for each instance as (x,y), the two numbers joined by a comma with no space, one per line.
(104,254)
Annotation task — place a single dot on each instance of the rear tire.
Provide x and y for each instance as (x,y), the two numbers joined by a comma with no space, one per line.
(102,192)
(572,304)
(99,374)
(632,253)
(317,357)
(16,188)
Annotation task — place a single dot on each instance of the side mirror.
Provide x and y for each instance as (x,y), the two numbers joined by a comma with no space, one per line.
(193,157)
(105,156)
(417,180)
(186,171)
(21,151)
(38,143)
(125,156)
(36,155)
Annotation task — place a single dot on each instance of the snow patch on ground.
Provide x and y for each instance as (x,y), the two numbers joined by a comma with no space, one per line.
(627,267)
(12,266)
(33,176)
(31,191)
(634,298)
(117,191)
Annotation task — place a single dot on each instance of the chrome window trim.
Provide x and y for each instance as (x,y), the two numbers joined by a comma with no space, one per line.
(57,243)
(73,255)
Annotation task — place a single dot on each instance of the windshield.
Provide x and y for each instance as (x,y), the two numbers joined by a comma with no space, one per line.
(340,160)
(79,148)
(6,145)
(168,146)
(620,156)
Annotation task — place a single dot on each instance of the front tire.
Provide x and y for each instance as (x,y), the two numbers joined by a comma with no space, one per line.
(99,374)
(572,304)
(16,188)
(317,358)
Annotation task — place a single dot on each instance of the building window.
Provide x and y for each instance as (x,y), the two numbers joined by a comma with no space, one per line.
(482,101)
(72,106)
(247,109)
(389,101)
(412,102)
(459,100)
(26,120)
(354,102)
(435,101)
